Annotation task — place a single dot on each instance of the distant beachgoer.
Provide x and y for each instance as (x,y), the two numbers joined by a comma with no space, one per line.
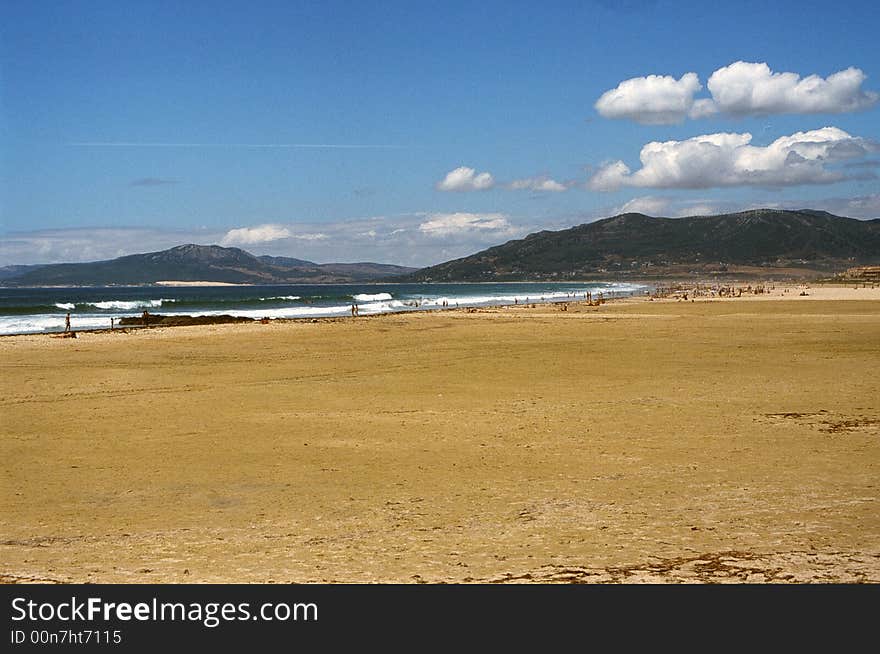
(67,323)
(112,320)
(146,318)
(353,311)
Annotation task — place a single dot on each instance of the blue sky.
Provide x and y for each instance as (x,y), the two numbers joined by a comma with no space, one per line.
(134,126)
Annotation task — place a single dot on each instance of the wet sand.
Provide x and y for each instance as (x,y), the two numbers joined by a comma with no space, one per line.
(640,441)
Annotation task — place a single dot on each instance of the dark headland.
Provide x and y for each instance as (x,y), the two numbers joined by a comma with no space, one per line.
(764,243)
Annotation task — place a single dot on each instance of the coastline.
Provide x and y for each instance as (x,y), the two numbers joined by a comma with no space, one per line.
(197,284)
(672,290)
(38,311)
(640,440)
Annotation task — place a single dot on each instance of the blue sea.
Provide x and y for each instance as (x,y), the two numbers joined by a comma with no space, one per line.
(38,310)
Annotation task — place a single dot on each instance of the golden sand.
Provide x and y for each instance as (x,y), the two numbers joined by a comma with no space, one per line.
(177,283)
(730,440)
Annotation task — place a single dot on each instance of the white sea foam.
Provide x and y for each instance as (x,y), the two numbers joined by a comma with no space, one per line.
(123,305)
(468,300)
(367,297)
(41,323)
(537,296)
(281,312)
(382,307)
(67,306)
(38,323)
(280,297)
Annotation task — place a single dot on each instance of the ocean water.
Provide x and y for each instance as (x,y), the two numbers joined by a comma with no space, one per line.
(36,310)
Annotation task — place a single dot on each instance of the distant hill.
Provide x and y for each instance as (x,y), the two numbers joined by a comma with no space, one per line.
(763,241)
(8,272)
(286,262)
(197,263)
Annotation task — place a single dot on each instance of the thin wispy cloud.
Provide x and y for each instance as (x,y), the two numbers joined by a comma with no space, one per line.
(325,146)
(152,181)
(446,224)
(538,184)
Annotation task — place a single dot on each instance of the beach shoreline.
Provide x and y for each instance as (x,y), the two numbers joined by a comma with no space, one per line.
(671,291)
(635,441)
(196,284)
(36,311)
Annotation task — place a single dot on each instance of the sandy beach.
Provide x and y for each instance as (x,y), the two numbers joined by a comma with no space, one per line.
(728,440)
(197,284)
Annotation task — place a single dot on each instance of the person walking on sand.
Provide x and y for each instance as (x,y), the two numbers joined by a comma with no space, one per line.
(67,323)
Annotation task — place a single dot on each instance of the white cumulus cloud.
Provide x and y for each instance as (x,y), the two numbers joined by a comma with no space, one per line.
(466,179)
(650,205)
(729,159)
(740,89)
(538,184)
(258,234)
(651,100)
(445,224)
(744,88)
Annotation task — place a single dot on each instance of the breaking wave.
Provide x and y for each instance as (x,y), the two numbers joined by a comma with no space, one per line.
(367,297)
(123,305)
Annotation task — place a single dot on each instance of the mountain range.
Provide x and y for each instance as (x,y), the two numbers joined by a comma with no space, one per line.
(197,263)
(764,242)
